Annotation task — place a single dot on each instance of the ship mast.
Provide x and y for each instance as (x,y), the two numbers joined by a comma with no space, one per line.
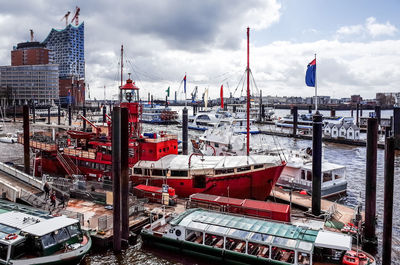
(122,70)
(248,92)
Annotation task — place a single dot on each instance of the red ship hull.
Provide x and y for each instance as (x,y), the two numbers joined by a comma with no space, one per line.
(255,185)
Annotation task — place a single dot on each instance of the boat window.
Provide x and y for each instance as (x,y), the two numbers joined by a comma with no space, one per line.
(137,171)
(240,169)
(224,171)
(48,240)
(303,174)
(309,176)
(3,251)
(284,242)
(261,237)
(61,235)
(217,229)
(258,166)
(235,245)
(158,172)
(338,176)
(258,250)
(214,241)
(179,173)
(282,254)
(194,236)
(216,144)
(303,258)
(327,176)
(238,233)
(203,117)
(74,230)
(18,250)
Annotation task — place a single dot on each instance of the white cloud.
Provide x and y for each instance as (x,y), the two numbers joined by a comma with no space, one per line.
(376,29)
(370,28)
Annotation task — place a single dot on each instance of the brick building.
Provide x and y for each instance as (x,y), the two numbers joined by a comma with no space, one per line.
(30,53)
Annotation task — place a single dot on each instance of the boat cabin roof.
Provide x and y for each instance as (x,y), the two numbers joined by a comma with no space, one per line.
(49,225)
(181,162)
(281,234)
(18,220)
(326,166)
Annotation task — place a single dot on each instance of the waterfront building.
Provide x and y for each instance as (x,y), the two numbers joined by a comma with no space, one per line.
(30,53)
(23,83)
(67,46)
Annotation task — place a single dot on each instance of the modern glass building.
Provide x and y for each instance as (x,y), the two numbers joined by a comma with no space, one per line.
(29,82)
(67,46)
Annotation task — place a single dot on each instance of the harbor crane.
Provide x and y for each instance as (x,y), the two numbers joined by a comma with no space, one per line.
(66,18)
(194,94)
(76,16)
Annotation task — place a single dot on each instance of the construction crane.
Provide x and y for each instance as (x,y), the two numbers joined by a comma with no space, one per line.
(31,30)
(194,94)
(66,18)
(76,16)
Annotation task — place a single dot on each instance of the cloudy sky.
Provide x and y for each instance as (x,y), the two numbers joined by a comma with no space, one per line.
(357,43)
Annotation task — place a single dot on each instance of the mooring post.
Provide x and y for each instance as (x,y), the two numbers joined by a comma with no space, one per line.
(370,186)
(69,115)
(124,175)
(357,114)
(116,175)
(260,108)
(316,164)
(148,98)
(295,116)
(33,113)
(388,201)
(396,126)
(361,110)
(48,115)
(152,104)
(26,139)
(352,112)
(83,120)
(378,114)
(333,112)
(309,109)
(185,131)
(59,114)
(15,111)
(166,101)
(262,112)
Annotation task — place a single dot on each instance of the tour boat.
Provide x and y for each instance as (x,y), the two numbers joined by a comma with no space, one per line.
(304,121)
(30,236)
(204,120)
(9,138)
(156,114)
(229,238)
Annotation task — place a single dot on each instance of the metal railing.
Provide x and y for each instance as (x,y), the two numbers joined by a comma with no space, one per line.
(21,176)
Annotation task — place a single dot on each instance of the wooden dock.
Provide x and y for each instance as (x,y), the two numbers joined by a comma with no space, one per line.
(341,213)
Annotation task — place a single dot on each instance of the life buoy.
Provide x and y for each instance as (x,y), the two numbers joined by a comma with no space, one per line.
(11,236)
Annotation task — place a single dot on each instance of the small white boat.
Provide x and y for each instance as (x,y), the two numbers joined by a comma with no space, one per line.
(9,138)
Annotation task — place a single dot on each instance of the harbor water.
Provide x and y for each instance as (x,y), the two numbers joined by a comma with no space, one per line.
(351,156)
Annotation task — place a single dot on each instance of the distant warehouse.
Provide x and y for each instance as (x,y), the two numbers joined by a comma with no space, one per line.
(27,83)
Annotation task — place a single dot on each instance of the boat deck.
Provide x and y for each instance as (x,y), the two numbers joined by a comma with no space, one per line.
(343,213)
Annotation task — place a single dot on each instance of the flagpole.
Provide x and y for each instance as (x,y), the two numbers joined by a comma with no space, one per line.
(315,84)
(185,91)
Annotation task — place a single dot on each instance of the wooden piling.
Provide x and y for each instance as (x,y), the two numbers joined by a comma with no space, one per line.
(388,201)
(378,114)
(48,115)
(83,120)
(116,174)
(357,114)
(316,164)
(69,115)
(124,175)
(104,113)
(295,116)
(27,166)
(33,113)
(333,112)
(59,114)
(370,186)
(185,131)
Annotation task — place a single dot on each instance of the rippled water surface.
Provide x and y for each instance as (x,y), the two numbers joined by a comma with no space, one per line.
(350,156)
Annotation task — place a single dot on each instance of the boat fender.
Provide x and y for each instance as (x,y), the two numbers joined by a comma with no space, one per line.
(11,236)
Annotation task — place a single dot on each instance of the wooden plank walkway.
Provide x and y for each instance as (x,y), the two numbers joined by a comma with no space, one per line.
(344,213)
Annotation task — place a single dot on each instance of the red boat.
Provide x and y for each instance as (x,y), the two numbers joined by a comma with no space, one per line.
(154,160)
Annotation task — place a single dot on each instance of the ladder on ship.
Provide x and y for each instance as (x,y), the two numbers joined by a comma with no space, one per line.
(68,165)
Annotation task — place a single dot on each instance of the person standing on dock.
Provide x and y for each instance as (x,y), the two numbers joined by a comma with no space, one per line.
(53,199)
(46,189)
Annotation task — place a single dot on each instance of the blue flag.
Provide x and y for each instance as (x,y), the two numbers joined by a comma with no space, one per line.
(184,83)
(310,74)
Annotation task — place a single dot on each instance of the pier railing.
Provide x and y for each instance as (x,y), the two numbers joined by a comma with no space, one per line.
(21,176)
